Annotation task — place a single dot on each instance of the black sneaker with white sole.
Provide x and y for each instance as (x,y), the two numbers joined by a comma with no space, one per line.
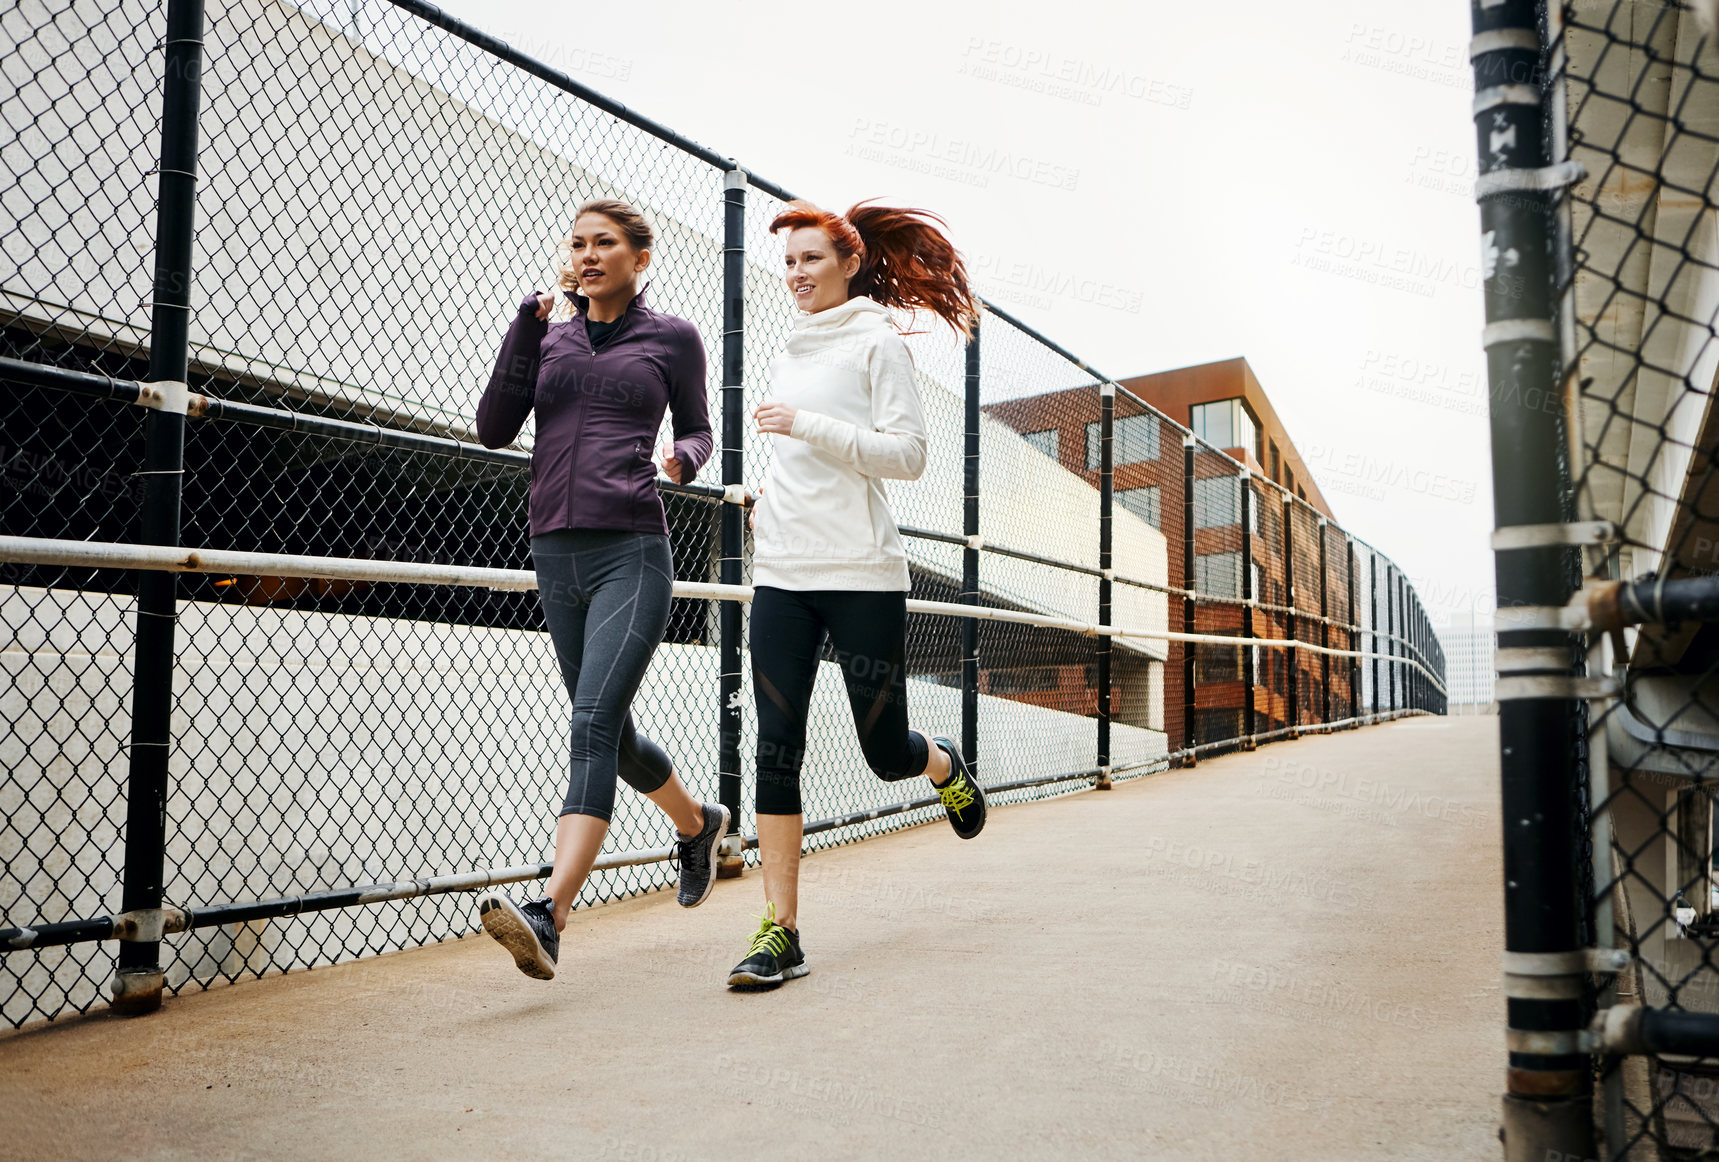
(698,857)
(963,797)
(526,930)
(774,957)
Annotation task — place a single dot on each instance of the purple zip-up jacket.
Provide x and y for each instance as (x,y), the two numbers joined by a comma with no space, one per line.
(598,413)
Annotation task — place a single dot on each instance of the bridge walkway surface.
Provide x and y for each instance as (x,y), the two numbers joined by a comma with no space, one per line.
(1284,954)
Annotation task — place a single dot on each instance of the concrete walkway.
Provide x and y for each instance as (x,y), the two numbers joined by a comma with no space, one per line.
(1280,955)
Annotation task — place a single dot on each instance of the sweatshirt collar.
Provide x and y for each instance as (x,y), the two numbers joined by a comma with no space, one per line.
(583,304)
(858,308)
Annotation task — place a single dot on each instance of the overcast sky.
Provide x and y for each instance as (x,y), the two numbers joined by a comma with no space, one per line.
(1288,183)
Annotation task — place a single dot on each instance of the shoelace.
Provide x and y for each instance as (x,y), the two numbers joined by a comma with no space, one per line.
(685,848)
(771,937)
(956,794)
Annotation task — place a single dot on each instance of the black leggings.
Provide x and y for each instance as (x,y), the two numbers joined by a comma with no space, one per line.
(606,600)
(869,634)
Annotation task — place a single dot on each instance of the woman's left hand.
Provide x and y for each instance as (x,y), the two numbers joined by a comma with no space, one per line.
(776,418)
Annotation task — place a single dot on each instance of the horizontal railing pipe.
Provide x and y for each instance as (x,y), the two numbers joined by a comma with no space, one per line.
(75,382)
(174,920)
(109,555)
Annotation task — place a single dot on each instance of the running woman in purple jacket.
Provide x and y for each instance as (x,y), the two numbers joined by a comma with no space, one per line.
(600,383)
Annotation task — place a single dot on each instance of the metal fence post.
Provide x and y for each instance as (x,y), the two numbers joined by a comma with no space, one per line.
(1411,676)
(1411,651)
(1406,633)
(1324,626)
(733,515)
(1373,625)
(1408,641)
(1106,499)
(1401,701)
(1293,710)
(1353,635)
(1429,694)
(1444,695)
(970,561)
(1391,635)
(1420,652)
(138,977)
(1548,1100)
(1248,597)
(1191,734)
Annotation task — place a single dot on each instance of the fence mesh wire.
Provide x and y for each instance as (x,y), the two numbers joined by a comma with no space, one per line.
(376,194)
(1638,91)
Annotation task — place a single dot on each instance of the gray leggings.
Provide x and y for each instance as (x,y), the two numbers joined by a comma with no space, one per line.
(605,597)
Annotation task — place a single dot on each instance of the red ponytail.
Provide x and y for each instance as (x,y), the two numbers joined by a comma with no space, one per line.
(906,260)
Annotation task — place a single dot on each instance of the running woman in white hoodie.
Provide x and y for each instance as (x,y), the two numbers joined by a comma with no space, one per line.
(827,558)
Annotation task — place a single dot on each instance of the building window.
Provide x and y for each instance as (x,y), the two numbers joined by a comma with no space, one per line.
(1224,424)
(1045,441)
(1217,502)
(1218,574)
(1276,465)
(1135,441)
(1142,502)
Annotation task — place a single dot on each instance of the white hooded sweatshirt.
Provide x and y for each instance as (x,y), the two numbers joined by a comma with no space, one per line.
(823,521)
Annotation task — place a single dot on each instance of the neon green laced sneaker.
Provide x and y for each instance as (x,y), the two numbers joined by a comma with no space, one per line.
(957,794)
(773,956)
(963,797)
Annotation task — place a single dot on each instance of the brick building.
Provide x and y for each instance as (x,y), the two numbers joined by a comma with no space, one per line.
(1291,559)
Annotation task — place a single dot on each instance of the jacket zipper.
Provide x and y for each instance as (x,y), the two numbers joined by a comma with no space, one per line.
(579,427)
(578,440)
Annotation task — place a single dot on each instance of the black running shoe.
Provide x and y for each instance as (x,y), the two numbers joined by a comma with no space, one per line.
(962,795)
(526,930)
(698,857)
(774,957)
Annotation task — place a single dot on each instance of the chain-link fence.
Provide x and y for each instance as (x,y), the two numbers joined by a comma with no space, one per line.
(303,741)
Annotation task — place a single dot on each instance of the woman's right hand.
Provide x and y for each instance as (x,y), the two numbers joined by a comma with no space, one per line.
(545,304)
(752,512)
